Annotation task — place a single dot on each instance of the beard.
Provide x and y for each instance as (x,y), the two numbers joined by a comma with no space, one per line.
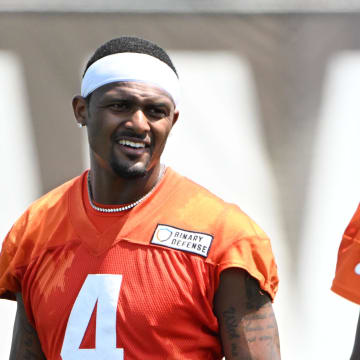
(126,171)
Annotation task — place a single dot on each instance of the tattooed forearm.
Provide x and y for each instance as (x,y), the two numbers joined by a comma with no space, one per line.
(252,336)
(247,323)
(260,330)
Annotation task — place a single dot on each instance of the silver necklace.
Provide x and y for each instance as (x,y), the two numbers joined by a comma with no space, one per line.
(126,207)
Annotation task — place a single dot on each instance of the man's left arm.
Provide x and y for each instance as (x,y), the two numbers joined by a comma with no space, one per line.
(356,350)
(248,328)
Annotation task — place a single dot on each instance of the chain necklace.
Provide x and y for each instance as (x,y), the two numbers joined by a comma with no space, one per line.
(126,207)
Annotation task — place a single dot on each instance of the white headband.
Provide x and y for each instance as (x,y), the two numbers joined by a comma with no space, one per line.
(131,67)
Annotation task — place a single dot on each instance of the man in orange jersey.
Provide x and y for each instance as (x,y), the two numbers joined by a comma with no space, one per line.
(130,260)
(347,277)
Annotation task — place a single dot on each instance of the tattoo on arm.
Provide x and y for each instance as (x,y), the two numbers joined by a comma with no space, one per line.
(231,322)
(250,332)
(249,326)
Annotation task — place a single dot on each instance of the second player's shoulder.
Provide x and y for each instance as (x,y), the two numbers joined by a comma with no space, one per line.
(353,227)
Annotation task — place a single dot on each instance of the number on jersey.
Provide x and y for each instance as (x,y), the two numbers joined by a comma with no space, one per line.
(104,290)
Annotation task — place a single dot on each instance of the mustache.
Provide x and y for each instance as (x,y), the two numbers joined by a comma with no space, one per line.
(129,134)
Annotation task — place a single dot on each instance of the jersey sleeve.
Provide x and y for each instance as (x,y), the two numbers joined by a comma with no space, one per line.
(245,245)
(10,256)
(346,282)
(30,236)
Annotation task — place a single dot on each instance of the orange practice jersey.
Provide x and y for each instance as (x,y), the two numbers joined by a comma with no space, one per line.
(143,287)
(347,278)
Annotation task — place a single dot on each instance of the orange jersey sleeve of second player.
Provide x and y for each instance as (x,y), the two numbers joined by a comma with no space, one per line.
(347,277)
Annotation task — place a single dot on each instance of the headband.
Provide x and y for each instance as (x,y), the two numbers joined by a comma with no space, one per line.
(131,67)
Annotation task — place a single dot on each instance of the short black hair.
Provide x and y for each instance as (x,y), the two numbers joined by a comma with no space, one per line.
(131,44)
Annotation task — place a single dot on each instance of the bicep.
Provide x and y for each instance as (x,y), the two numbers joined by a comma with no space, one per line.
(247,323)
(25,343)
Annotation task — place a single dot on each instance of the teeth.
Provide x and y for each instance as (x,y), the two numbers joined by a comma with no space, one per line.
(131,144)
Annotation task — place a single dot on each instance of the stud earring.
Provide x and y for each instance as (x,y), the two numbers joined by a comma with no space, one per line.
(80,125)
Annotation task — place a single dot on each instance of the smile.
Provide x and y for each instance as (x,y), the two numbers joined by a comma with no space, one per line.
(132,144)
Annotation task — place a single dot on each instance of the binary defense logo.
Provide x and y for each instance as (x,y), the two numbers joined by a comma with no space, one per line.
(357,269)
(163,234)
(180,239)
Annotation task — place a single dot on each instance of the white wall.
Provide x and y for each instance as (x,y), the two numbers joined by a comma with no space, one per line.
(332,200)
(19,180)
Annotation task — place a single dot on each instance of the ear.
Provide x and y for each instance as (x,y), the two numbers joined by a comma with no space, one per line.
(176,116)
(80,109)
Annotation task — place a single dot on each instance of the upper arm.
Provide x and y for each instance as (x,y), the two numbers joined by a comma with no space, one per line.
(25,343)
(356,350)
(247,322)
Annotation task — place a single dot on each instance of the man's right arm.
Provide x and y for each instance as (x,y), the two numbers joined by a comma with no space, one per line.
(356,351)
(25,343)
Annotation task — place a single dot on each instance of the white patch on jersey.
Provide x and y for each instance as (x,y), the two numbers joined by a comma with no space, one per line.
(184,240)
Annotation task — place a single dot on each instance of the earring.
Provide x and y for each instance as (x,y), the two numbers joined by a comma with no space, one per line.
(80,125)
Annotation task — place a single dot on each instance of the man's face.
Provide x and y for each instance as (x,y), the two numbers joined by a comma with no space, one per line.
(128,124)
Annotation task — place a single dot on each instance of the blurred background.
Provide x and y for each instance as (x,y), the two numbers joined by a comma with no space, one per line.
(269,120)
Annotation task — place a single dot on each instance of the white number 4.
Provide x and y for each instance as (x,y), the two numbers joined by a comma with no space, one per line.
(103,289)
